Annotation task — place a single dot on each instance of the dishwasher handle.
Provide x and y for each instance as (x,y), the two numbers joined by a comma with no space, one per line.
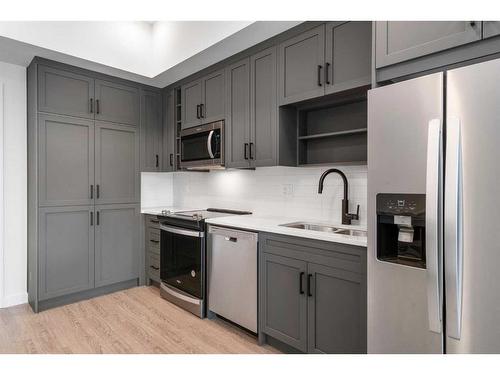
(232,235)
(232,239)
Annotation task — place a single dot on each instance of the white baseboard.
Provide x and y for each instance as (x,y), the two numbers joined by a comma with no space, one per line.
(15,299)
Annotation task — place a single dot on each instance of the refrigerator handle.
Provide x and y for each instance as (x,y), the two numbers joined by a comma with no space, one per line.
(433,227)
(453,229)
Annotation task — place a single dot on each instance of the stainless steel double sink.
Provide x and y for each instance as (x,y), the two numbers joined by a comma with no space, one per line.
(325,228)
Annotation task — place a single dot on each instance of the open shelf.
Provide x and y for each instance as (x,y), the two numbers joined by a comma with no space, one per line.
(333,132)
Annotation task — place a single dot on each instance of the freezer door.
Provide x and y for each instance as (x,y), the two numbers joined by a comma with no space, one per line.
(404,310)
(472,209)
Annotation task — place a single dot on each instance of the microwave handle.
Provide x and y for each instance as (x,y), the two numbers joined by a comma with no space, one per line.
(209,144)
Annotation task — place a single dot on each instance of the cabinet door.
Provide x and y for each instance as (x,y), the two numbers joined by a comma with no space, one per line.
(191,100)
(398,41)
(284,303)
(169,131)
(336,311)
(66,161)
(116,103)
(348,55)
(491,28)
(237,125)
(263,108)
(116,243)
(213,108)
(301,65)
(151,131)
(65,93)
(116,163)
(66,250)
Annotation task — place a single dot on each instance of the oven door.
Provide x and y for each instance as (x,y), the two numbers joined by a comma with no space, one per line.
(181,259)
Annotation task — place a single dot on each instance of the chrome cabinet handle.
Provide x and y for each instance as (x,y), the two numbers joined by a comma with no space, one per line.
(453,222)
(433,227)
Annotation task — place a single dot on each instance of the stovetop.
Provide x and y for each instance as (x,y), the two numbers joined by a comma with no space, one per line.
(198,215)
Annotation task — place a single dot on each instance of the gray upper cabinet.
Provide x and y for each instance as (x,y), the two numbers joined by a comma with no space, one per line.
(169,131)
(491,28)
(116,103)
(251,111)
(336,318)
(301,62)
(116,243)
(213,104)
(263,108)
(191,101)
(151,131)
(348,55)
(65,93)
(203,100)
(66,155)
(284,303)
(237,126)
(398,41)
(116,163)
(66,250)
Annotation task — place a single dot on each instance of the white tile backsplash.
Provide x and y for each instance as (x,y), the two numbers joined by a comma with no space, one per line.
(279,191)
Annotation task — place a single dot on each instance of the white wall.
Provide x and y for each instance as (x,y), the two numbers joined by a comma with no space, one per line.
(274,191)
(14,244)
(156,190)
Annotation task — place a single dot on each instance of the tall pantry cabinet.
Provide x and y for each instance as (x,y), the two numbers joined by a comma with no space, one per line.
(83,184)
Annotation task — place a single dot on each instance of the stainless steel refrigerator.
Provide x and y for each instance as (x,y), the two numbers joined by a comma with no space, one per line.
(434,213)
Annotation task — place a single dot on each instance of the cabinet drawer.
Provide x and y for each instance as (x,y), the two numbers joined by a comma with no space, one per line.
(152,222)
(154,266)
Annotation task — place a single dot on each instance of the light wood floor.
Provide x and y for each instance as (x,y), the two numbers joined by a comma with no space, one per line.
(131,321)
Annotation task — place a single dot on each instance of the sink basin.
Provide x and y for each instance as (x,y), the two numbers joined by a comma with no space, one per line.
(325,228)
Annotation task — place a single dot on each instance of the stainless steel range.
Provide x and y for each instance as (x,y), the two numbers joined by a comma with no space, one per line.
(183,257)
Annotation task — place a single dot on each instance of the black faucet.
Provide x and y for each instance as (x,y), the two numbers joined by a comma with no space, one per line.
(346,216)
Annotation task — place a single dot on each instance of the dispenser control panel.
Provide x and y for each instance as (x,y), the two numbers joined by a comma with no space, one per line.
(401,204)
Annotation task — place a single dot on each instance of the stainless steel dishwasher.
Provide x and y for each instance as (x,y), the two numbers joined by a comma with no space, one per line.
(232,275)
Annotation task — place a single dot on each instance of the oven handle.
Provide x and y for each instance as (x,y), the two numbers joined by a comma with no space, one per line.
(184,232)
(209,144)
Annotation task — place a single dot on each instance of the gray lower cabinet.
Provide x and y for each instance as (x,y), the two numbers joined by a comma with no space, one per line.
(312,294)
(152,249)
(65,93)
(116,243)
(348,55)
(116,102)
(151,131)
(66,251)
(66,152)
(237,125)
(283,300)
(116,163)
(301,62)
(491,29)
(398,41)
(336,311)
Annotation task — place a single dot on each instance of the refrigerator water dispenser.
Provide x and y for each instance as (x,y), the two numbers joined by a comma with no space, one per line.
(401,229)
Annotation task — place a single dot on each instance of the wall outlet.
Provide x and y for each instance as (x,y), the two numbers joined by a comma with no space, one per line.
(287,190)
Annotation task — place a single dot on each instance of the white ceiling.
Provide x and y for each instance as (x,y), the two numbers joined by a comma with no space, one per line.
(152,52)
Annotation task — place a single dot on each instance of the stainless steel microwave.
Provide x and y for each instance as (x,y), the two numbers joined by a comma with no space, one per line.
(202,147)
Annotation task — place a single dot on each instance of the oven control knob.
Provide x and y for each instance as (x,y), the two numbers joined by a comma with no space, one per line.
(193,274)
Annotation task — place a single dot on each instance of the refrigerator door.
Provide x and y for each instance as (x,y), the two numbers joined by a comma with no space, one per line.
(404,312)
(472,209)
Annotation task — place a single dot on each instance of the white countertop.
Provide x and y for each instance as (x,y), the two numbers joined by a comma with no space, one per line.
(272,224)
